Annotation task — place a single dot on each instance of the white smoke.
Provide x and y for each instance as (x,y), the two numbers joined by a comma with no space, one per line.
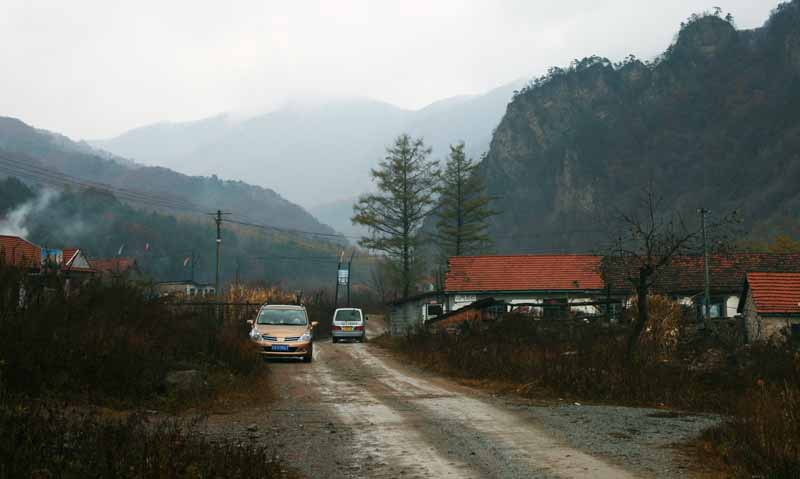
(13,223)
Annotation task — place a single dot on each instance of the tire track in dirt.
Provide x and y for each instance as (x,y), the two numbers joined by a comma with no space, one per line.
(386,443)
(493,441)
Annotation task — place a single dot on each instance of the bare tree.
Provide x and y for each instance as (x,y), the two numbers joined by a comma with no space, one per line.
(650,237)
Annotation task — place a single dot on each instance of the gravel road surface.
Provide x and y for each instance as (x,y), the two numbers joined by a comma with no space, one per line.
(357,412)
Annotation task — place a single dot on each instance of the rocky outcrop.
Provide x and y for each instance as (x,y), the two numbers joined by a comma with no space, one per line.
(713,122)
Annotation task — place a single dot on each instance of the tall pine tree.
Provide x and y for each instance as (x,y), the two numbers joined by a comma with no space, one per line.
(462,227)
(406,181)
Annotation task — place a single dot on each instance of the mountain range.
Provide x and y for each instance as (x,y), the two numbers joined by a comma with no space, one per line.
(712,123)
(45,157)
(315,153)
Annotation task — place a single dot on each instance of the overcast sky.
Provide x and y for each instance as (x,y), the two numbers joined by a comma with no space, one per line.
(93,69)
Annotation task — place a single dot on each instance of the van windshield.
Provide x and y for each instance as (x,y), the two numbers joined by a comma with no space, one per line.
(288,317)
(348,315)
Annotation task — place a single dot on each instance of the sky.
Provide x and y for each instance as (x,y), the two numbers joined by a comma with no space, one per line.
(93,69)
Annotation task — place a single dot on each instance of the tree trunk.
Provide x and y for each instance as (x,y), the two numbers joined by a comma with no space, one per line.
(639,324)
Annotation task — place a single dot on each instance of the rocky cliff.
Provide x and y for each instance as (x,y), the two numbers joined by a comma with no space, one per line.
(713,122)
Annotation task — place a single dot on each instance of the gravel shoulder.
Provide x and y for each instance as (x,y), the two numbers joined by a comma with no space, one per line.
(356,411)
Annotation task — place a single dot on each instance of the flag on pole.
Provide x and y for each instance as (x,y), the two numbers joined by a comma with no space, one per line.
(186,261)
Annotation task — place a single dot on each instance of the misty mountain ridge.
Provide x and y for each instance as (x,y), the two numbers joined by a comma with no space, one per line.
(44,157)
(314,152)
(714,122)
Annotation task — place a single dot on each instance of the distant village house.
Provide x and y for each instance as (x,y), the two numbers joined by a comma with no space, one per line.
(771,306)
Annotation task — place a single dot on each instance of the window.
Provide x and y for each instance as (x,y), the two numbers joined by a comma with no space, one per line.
(352,315)
(795,332)
(716,309)
(434,310)
(555,308)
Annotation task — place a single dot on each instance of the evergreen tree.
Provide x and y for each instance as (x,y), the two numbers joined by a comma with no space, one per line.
(462,226)
(406,181)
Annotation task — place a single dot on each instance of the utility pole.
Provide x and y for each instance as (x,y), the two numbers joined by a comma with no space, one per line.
(349,275)
(707,295)
(218,220)
(237,271)
(338,269)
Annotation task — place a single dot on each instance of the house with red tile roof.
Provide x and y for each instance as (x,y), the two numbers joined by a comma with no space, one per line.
(547,279)
(118,268)
(771,306)
(683,279)
(76,261)
(16,251)
(546,284)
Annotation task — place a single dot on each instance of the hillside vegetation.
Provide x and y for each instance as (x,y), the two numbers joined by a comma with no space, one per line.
(36,155)
(714,122)
(101,224)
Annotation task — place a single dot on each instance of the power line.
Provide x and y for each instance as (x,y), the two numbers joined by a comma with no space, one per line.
(291,230)
(16,168)
(25,170)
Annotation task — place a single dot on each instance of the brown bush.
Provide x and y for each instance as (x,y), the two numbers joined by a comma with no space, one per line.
(763,438)
(107,341)
(47,442)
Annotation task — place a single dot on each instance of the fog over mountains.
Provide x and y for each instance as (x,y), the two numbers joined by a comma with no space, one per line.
(317,153)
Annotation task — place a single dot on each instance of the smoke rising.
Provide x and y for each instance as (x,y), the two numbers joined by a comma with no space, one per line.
(15,222)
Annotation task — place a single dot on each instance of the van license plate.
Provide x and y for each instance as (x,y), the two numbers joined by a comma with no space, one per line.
(280,347)
(347,328)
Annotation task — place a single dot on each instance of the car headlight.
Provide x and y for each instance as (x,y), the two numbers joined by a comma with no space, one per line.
(306,336)
(255,335)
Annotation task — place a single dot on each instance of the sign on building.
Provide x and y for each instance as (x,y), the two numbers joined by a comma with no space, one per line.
(344,276)
(52,257)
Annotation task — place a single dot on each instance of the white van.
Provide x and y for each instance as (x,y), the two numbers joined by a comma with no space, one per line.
(349,323)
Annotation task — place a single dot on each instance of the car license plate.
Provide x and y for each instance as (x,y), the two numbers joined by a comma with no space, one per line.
(280,347)
(347,328)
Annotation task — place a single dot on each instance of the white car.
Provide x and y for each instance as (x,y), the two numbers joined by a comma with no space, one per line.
(349,323)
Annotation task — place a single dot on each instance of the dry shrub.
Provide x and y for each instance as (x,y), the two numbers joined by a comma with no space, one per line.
(659,340)
(108,341)
(47,442)
(763,438)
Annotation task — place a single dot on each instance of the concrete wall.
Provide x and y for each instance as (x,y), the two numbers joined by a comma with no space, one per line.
(455,302)
(765,328)
(405,317)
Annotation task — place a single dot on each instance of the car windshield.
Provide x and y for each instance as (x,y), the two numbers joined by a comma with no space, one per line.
(289,317)
(348,315)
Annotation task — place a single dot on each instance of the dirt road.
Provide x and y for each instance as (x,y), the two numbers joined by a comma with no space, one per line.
(355,412)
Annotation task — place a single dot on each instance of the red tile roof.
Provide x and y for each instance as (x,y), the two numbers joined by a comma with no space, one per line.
(17,251)
(685,274)
(523,273)
(70,255)
(113,265)
(776,293)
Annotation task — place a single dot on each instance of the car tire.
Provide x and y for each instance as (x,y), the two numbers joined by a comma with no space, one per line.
(309,358)
(334,340)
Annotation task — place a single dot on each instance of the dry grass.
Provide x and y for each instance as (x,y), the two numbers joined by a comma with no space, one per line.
(763,438)
(758,388)
(44,442)
(109,342)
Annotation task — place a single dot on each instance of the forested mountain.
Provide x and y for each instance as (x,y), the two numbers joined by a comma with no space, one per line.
(315,153)
(103,227)
(35,154)
(714,122)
